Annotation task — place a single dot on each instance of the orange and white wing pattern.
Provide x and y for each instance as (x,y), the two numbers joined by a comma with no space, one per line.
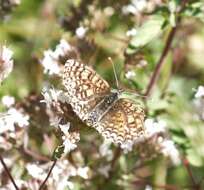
(123,124)
(85,87)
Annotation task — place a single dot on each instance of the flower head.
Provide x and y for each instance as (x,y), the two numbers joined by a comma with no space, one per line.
(200,92)
(154,127)
(50,63)
(52,60)
(8,101)
(169,149)
(12,117)
(80,32)
(6,62)
(199,102)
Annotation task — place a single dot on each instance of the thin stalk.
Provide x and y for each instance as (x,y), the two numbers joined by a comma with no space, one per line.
(48,175)
(8,172)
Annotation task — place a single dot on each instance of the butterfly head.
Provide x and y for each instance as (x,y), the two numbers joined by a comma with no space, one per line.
(117,91)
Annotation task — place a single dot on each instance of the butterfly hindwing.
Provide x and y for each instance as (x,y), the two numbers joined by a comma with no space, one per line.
(123,122)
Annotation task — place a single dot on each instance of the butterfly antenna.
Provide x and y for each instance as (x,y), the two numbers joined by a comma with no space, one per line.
(143,96)
(114,70)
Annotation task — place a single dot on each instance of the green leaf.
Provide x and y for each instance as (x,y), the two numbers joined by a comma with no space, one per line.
(194,10)
(58,152)
(148,31)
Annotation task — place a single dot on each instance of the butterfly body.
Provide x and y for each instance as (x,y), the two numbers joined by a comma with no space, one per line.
(118,119)
(102,108)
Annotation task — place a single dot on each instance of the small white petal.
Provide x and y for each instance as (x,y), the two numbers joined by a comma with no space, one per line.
(62,48)
(83,172)
(148,187)
(64,128)
(8,101)
(127,146)
(140,5)
(50,63)
(152,127)
(169,149)
(6,62)
(200,92)
(80,32)
(105,149)
(130,74)
(131,32)
(35,171)
(127,9)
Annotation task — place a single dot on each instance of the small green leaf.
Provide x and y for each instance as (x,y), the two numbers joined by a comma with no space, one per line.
(148,31)
(194,10)
(58,152)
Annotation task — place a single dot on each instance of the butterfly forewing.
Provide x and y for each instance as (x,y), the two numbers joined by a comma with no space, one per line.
(84,86)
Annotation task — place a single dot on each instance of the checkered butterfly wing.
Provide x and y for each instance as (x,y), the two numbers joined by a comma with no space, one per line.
(84,86)
(123,123)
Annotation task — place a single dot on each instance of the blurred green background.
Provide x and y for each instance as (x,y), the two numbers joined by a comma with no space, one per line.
(35,26)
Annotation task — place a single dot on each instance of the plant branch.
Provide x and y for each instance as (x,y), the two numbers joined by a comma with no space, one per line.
(48,175)
(34,155)
(165,51)
(8,173)
(116,156)
(161,61)
(187,166)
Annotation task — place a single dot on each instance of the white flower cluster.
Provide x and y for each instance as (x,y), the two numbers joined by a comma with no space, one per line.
(81,32)
(152,127)
(20,183)
(61,173)
(11,118)
(6,62)
(134,7)
(51,62)
(12,125)
(131,32)
(128,146)
(105,149)
(169,150)
(8,101)
(199,101)
(15,2)
(69,139)
(164,146)
(52,97)
(148,187)
(130,75)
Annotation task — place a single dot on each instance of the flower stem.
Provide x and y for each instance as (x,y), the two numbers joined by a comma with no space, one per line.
(188,169)
(165,51)
(161,61)
(48,175)
(8,172)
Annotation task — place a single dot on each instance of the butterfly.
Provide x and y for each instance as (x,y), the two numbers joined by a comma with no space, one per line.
(92,99)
